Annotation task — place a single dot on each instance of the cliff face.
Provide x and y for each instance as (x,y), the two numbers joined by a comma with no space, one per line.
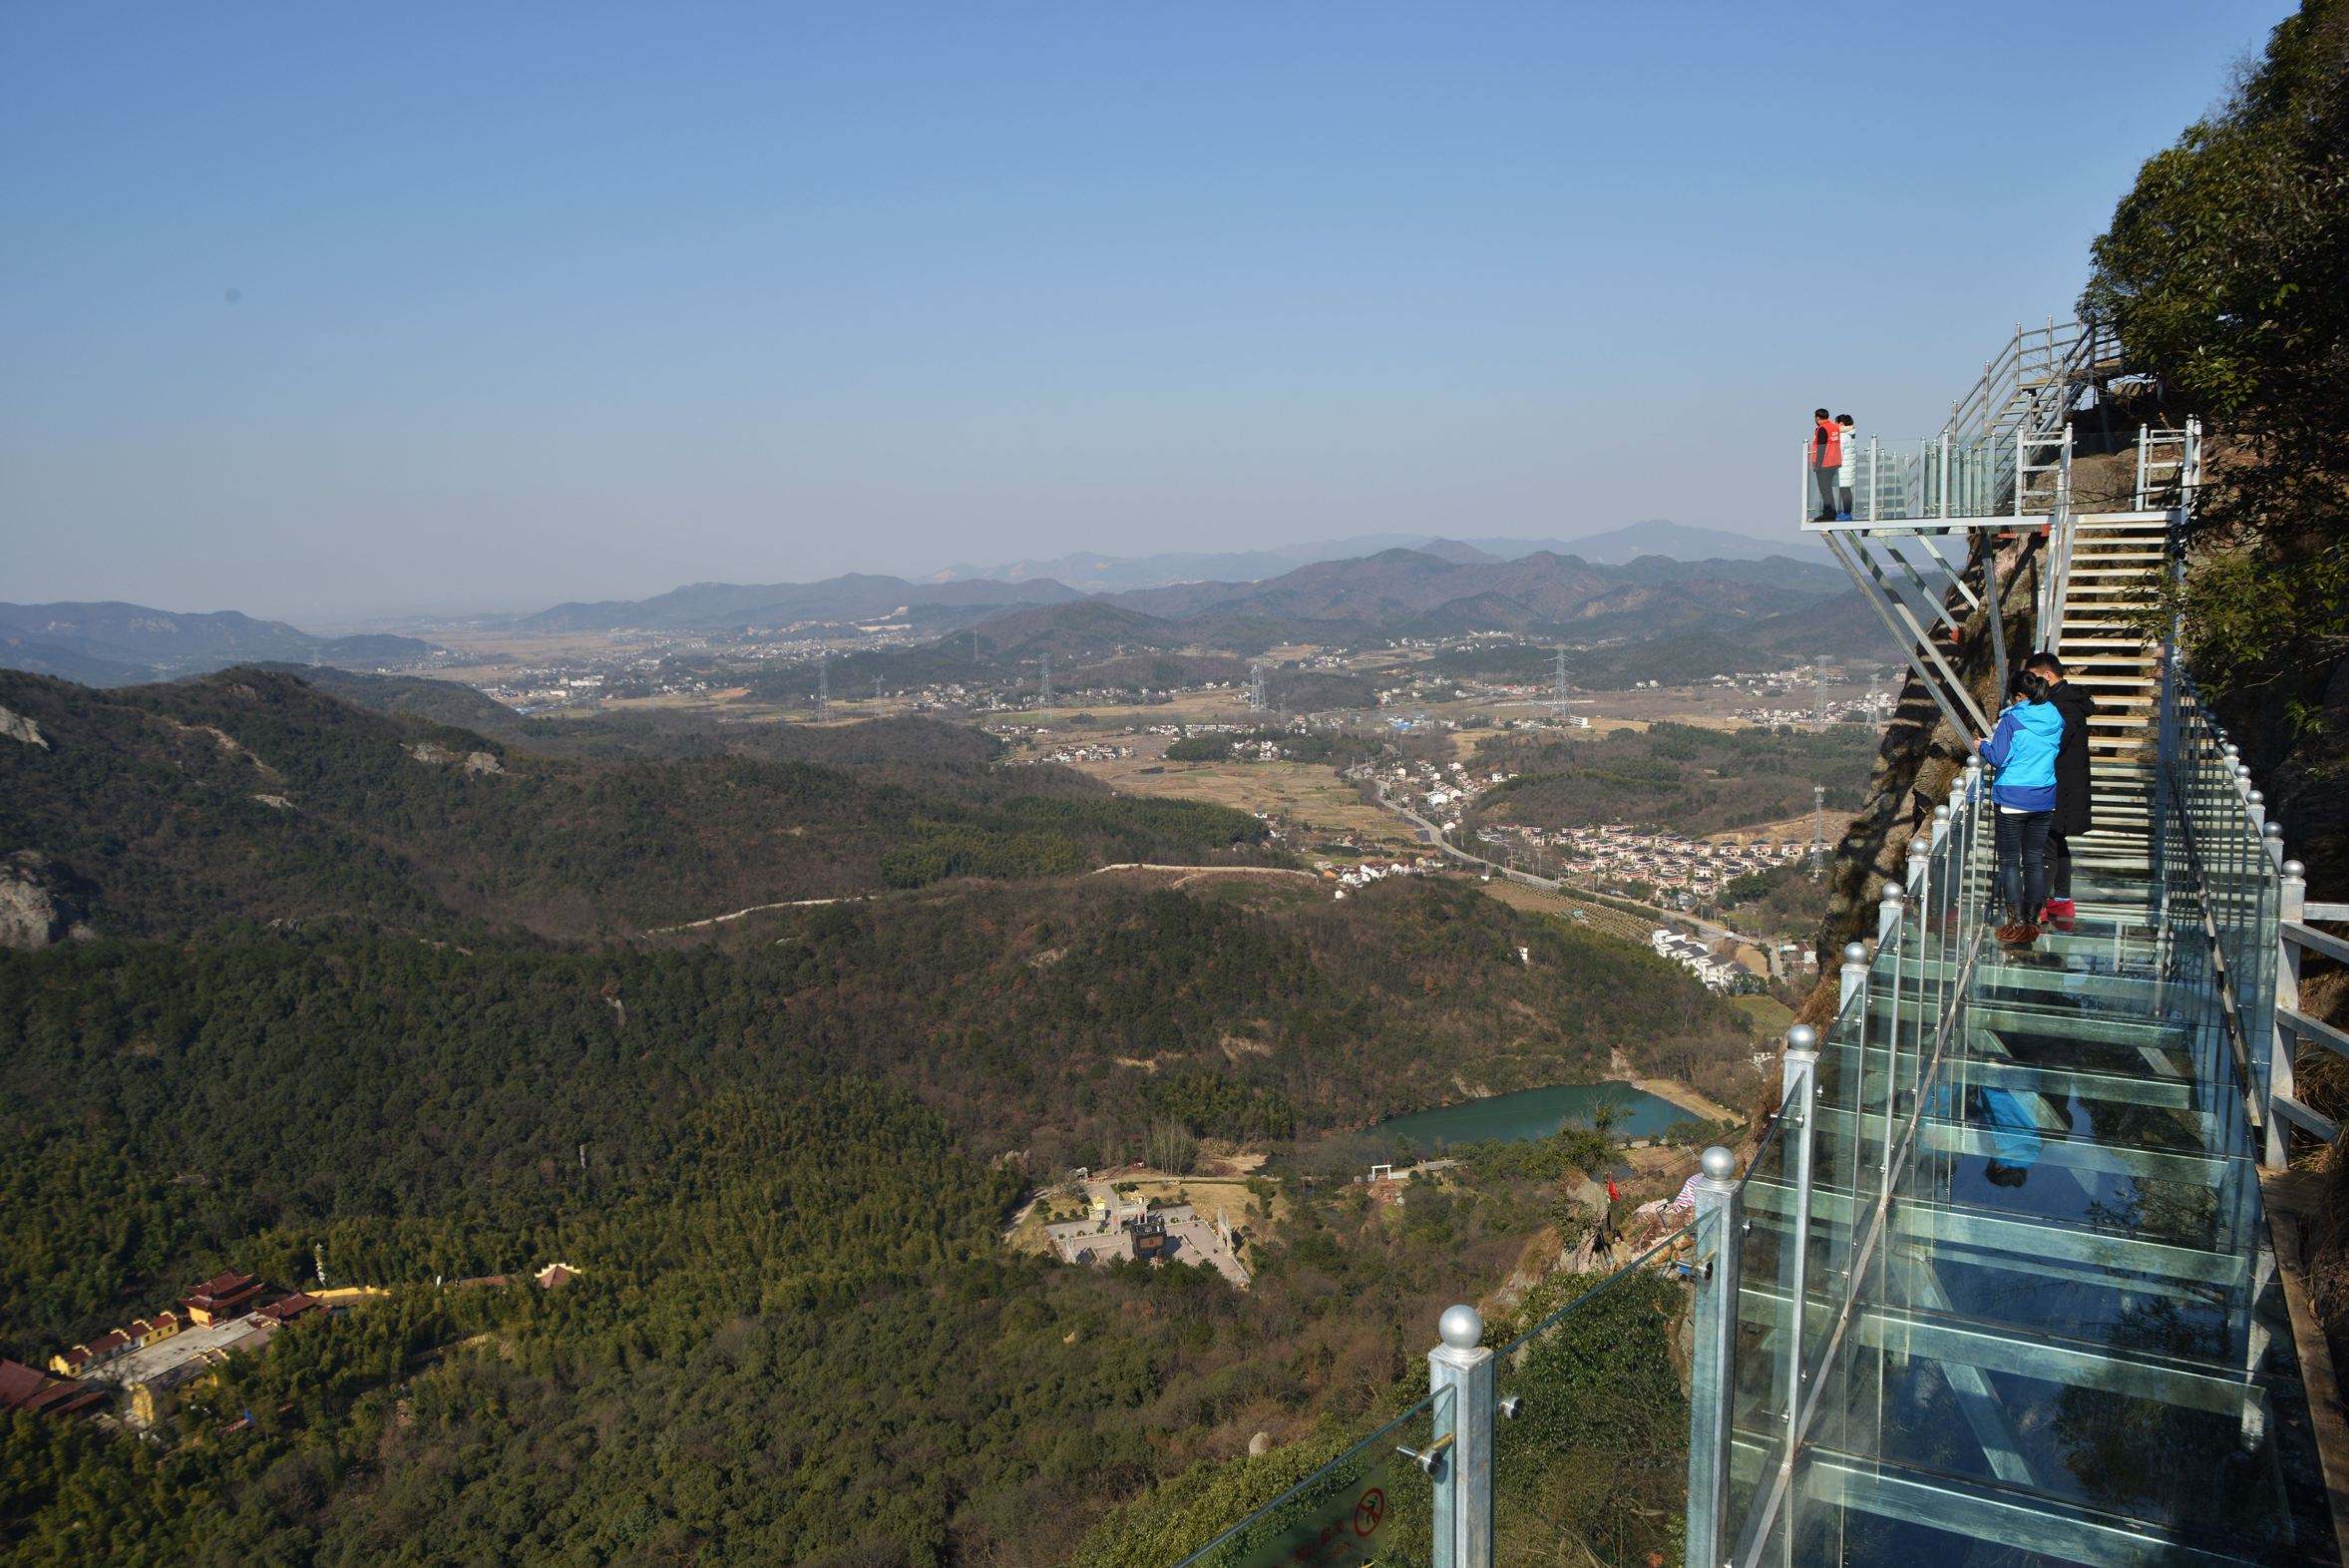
(1920,760)
(36,905)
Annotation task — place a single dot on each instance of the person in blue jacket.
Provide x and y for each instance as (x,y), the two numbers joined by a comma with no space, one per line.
(2023,749)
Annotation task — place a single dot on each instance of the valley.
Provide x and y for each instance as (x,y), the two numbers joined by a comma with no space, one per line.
(508,985)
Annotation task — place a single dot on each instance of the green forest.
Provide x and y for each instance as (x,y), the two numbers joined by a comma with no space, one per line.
(794,1338)
(1677,776)
(780,1151)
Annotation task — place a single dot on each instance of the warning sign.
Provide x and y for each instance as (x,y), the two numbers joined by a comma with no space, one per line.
(1343,1526)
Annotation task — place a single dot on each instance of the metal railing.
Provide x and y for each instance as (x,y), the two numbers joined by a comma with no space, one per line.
(1464,1473)
(1943,478)
(2033,381)
(2253,911)
(1795,1241)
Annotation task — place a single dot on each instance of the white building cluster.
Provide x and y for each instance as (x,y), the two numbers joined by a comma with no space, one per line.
(1718,973)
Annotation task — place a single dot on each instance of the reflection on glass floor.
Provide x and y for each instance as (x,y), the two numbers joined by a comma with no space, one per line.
(2069,1344)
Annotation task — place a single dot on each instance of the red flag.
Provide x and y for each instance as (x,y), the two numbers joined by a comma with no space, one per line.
(1612,1194)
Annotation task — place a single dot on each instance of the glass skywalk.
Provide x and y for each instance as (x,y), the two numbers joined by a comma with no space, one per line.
(2040,1319)
(1995,1285)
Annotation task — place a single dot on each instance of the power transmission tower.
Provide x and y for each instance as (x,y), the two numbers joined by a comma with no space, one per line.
(877,688)
(1255,685)
(1818,831)
(1560,692)
(823,685)
(1044,686)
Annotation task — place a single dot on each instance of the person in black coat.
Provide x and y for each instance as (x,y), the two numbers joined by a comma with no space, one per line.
(2073,801)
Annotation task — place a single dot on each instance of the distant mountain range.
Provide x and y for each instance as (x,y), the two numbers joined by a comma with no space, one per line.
(857,598)
(1098,573)
(1456,589)
(1373,584)
(111,644)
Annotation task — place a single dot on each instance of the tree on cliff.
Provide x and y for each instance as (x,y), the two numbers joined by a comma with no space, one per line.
(2222,272)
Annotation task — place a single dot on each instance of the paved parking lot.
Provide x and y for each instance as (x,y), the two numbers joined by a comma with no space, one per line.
(1191,1239)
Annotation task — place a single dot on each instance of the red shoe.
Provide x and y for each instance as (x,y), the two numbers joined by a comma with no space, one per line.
(2061,914)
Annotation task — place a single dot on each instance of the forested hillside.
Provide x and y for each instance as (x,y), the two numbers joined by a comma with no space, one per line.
(1693,780)
(778,1161)
(364,986)
(250,794)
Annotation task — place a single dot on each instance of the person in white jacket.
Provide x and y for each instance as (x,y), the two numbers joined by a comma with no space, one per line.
(1846,475)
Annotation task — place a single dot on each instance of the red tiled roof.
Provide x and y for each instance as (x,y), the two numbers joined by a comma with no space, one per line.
(25,1387)
(220,1285)
(290,1307)
(109,1342)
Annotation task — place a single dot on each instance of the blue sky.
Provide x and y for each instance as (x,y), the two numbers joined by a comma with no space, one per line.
(333,311)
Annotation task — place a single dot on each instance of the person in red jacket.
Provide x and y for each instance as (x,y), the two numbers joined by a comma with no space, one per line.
(1827,456)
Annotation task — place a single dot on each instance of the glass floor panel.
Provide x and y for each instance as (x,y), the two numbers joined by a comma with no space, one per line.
(2068,1345)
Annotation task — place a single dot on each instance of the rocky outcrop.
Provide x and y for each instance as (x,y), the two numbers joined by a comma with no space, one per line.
(1920,760)
(15,726)
(473,761)
(34,910)
(275,802)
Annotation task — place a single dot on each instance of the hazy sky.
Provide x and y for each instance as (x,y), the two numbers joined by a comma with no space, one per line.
(312,310)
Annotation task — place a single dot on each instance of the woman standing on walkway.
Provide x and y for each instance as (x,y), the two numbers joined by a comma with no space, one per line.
(2023,748)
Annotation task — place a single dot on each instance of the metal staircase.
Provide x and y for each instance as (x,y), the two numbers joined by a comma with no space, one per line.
(2104,572)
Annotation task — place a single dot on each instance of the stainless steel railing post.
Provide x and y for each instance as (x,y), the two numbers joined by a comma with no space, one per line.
(1463,1516)
(1799,1079)
(1712,1373)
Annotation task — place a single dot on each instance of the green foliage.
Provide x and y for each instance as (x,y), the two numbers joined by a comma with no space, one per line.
(2222,272)
(1781,901)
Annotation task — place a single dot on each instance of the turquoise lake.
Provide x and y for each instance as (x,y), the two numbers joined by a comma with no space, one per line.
(1532,1113)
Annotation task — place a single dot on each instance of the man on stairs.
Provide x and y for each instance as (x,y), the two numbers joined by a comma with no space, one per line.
(2073,802)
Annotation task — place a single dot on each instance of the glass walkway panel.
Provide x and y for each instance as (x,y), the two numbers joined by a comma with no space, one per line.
(2020,1306)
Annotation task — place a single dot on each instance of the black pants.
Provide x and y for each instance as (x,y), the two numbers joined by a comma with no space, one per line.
(1826,494)
(2021,861)
(2058,865)
(1843,501)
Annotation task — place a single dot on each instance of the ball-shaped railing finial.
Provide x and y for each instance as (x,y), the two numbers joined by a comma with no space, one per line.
(1461,1327)
(1719,1163)
(1855,953)
(1941,813)
(1802,1037)
(2293,868)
